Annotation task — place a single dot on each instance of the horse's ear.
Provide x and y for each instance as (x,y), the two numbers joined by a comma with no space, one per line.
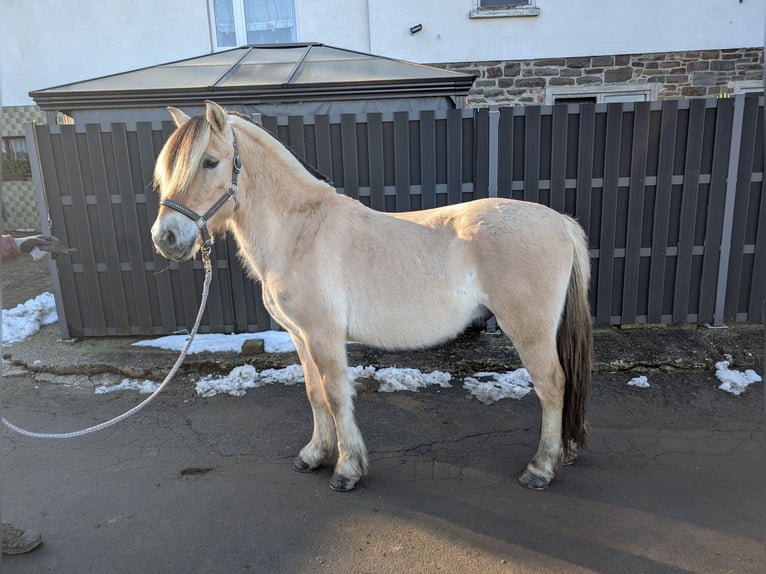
(216,116)
(179,117)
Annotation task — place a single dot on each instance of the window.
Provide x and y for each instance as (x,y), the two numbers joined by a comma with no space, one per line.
(240,22)
(600,94)
(504,8)
(15,159)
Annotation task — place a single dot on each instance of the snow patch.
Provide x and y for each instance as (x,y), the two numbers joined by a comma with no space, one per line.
(27,318)
(512,385)
(273,342)
(733,381)
(143,387)
(641,381)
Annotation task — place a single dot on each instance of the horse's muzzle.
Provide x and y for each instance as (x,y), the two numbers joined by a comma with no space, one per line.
(175,237)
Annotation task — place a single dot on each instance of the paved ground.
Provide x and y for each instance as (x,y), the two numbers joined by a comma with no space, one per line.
(673,480)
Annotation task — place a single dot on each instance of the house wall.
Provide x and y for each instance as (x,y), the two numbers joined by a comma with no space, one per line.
(563,28)
(667,75)
(47,43)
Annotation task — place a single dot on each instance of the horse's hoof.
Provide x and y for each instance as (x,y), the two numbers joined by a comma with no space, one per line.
(301,465)
(341,483)
(569,459)
(532,481)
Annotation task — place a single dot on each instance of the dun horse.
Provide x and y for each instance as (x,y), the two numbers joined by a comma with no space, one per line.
(333,270)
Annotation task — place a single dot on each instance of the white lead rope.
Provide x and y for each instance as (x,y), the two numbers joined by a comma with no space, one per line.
(150,398)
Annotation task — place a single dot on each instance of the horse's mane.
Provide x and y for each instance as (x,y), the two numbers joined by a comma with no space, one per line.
(306,165)
(181,155)
(184,149)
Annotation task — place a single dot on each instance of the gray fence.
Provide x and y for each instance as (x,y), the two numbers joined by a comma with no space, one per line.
(670,193)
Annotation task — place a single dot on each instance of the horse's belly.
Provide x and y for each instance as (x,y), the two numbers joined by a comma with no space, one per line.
(418,318)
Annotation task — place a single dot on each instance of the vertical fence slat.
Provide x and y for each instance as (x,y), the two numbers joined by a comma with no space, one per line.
(757,298)
(427,159)
(454,156)
(606,284)
(657,265)
(744,173)
(350,173)
(689,195)
(481,154)
(323,144)
(532,154)
(715,210)
(560,122)
(375,151)
(635,212)
(402,160)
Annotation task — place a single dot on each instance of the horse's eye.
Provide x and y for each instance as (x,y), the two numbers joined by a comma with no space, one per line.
(209,163)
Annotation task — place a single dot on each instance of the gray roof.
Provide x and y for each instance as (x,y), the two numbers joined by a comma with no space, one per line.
(259,74)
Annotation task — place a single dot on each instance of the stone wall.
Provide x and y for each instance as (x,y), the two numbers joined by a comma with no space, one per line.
(692,74)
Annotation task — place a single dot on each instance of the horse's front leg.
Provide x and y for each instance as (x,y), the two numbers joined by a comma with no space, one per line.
(329,357)
(321,448)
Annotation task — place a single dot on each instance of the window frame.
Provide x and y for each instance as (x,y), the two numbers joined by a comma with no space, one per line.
(240,25)
(22,167)
(650,91)
(510,9)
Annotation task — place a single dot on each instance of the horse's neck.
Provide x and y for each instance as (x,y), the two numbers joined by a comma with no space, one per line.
(284,202)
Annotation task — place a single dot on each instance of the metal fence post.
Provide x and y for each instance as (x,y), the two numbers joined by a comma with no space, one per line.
(494,126)
(728,210)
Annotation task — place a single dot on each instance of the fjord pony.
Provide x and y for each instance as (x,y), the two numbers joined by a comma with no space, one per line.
(333,270)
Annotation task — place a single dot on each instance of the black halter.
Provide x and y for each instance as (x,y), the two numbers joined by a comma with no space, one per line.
(201,220)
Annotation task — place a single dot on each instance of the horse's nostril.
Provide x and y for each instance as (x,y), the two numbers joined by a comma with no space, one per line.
(170,238)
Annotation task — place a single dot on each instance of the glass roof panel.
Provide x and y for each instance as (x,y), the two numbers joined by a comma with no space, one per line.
(258,75)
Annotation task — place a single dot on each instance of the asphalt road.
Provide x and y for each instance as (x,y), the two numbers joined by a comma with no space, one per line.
(673,482)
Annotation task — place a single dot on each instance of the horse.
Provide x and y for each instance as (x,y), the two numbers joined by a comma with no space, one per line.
(333,270)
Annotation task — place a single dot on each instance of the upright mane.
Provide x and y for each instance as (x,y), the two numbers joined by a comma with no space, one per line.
(307,166)
(185,148)
(181,155)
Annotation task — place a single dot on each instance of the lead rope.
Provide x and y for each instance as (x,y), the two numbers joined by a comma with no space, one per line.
(205,289)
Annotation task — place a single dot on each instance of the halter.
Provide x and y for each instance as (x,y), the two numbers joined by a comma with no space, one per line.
(231,193)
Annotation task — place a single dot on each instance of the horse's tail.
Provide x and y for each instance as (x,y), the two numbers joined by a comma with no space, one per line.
(574,342)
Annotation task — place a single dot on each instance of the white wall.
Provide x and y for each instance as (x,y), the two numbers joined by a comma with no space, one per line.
(45,43)
(563,28)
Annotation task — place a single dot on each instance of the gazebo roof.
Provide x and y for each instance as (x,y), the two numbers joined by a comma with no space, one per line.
(259,74)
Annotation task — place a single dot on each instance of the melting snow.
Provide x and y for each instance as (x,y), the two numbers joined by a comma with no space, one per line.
(515,385)
(143,387)
(641,381)
(273,342)
(732,381)
(27,318)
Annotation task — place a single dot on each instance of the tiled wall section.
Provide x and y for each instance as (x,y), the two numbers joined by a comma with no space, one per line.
(691,74)
(19,202)
(20,206)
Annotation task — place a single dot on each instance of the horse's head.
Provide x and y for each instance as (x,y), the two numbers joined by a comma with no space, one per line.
(196,177)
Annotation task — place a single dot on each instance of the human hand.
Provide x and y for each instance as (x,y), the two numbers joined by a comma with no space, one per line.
(39,246)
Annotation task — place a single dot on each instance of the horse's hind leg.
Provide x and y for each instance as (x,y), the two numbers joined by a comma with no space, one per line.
(539,355)
(330,360)
(321,448)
